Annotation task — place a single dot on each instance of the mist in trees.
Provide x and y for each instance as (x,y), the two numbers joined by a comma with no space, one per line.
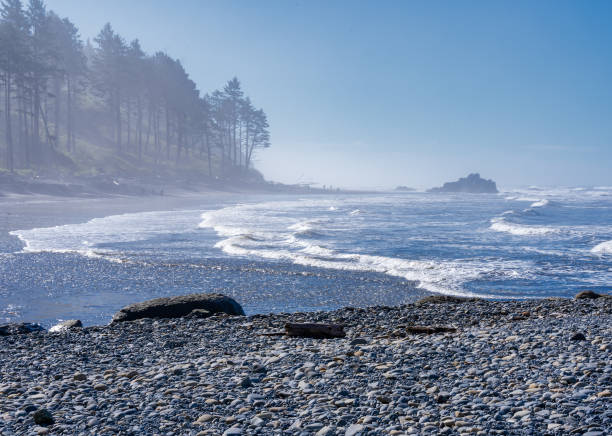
(145,106)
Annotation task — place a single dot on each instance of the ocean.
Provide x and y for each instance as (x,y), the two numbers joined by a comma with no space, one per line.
(307,253)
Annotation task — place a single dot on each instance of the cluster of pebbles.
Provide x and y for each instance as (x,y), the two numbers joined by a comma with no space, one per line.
(510,367)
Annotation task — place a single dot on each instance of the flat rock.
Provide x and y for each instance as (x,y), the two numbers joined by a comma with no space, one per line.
(353,430)
(20,328)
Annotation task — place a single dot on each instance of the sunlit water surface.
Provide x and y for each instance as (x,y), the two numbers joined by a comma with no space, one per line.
(315,252)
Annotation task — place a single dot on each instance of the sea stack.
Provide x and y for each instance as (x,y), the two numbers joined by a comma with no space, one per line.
(472,184)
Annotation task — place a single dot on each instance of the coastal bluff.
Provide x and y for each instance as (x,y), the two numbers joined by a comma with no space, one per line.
(472,184)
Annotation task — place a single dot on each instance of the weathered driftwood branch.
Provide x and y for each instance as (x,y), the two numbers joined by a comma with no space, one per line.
(315,330)
(429,330)
(273,334)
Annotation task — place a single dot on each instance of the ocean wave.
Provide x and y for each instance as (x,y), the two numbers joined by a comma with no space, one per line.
(528,199)
(92,237)
(501,225)
(540,203)
(286,244)
(309,228)
(436,277)
(603,248)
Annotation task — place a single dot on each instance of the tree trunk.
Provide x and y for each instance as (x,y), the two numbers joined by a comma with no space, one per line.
(156,133)
(315,330)
(118,120)
(246,145)
(167,133)
(56,114)
(20,116)
(26,131)
(240,151)
(234,141)
(139,109)
(69,144)
(129,124)
(149,125)
(9,133)
(36,121)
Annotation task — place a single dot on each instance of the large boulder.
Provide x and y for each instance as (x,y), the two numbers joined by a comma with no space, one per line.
(177,307)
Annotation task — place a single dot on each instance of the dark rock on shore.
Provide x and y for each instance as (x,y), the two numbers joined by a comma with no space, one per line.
(43,417)
(177,307)
(20,329)
(199,313)
(472,184)
(66,325)
(445,299)
(587,295)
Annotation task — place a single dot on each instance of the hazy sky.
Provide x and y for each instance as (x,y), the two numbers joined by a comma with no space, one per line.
(381,93)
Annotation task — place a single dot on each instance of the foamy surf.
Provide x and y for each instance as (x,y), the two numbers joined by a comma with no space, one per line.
(540,203)
(501,225)
(603,248)
(91,238)
(282,239)
(441,244)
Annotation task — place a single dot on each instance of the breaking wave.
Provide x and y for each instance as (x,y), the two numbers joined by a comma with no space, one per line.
(92,238)
(501,225)
(303,243)
(603,248)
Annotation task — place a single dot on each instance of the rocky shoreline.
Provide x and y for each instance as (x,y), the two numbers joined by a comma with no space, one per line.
(509,367)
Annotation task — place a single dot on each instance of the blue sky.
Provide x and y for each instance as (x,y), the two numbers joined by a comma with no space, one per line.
(382,93)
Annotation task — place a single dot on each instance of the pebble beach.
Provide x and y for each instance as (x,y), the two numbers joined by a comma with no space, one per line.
(510,367)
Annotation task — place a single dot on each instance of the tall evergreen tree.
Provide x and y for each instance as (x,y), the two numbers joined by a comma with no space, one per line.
(14,62)
(109,71)
(44,67)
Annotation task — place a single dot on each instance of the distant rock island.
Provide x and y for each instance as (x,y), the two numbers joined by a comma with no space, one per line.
(472,184)
(404,188)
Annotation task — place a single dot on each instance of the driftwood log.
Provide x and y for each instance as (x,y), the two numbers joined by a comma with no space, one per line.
(315,330)
(429,330)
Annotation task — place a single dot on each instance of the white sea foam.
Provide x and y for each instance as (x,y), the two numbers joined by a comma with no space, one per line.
(540,203)
(501,225)
(445,277)
(603,248)
(302,226)
(311,227)
(89,238)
